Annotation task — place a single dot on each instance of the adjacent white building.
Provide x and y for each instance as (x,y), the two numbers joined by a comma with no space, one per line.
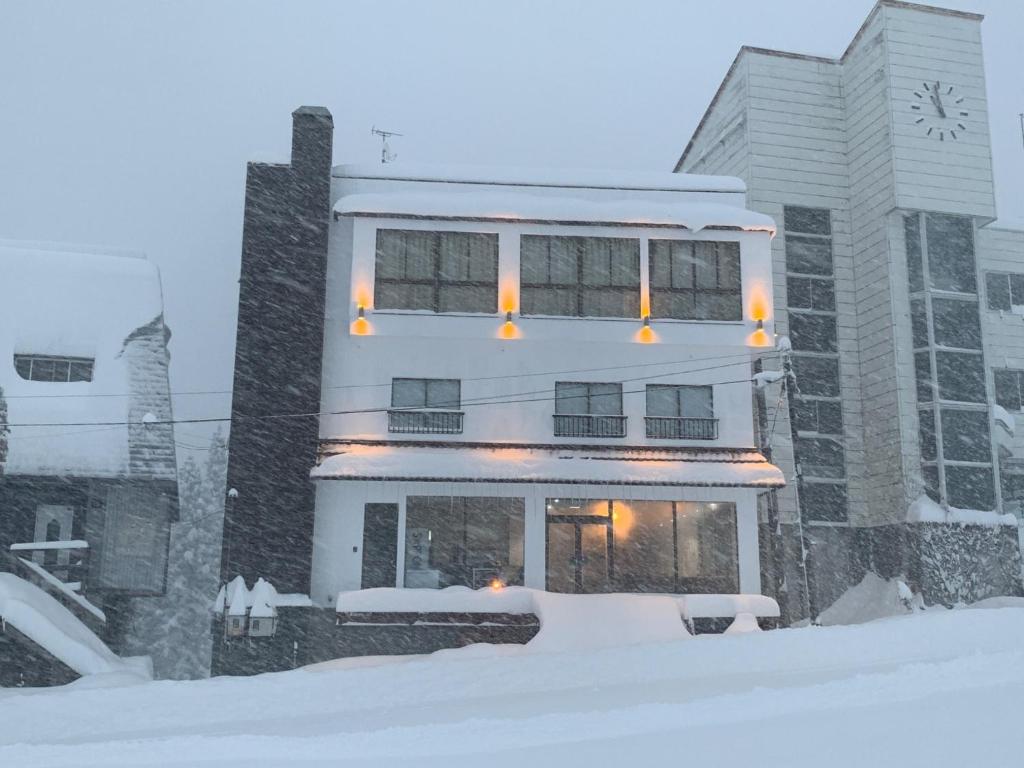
(901,293)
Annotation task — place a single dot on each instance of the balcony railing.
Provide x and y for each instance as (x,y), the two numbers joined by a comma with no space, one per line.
(425,422)
(589,425)
(681,428)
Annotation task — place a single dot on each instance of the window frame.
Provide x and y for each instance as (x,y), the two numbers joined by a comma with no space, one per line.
(66,360)
(580,287)
(694,290)
(436,281)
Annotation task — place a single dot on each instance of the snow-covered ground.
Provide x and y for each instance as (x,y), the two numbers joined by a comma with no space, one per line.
(933,689)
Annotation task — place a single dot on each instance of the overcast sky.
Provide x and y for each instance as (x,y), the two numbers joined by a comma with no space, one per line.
(128,124)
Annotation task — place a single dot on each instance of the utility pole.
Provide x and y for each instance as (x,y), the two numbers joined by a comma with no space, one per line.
(790,390)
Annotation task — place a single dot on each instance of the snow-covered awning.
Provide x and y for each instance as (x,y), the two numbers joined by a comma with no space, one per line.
(517,207)
(682,467)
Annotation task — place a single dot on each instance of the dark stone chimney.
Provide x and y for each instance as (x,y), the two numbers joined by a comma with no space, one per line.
(268,526)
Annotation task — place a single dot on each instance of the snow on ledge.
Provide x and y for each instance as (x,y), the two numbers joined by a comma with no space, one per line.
(694,216)
(924,510)
(518,600)
(580,178)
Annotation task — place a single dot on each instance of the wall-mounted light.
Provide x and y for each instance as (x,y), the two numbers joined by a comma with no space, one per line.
(361,326)
(760,323)
(508,316)
(646,334)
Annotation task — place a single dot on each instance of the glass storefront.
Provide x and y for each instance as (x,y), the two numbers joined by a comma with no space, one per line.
(469,541)
(612,545)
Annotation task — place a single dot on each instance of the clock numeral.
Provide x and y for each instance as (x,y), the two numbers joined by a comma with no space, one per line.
(963,114)
(953,134)
(930,131)
(919,120)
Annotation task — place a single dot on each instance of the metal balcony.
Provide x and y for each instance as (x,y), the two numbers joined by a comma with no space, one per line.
(425,422)
(681,428)
(589,425)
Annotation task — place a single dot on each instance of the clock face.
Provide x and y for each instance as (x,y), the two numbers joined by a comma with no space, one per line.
(939,110)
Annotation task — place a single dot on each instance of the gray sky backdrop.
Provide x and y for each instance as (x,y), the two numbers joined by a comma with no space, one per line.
(129,123)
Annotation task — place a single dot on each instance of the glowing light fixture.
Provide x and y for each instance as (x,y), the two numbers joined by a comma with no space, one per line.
(497,584)
(646,334)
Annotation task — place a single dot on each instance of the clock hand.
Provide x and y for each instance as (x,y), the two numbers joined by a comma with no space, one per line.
(937,100)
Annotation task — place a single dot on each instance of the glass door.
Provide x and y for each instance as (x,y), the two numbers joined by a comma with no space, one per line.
(579,546)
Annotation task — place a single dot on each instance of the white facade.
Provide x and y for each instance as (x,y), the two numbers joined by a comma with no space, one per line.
(888,139)
(499,440)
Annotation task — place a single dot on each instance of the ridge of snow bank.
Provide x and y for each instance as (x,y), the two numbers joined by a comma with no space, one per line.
(53,627)
(924,510)
(567,621)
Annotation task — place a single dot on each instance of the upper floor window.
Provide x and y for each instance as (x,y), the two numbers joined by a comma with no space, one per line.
(425,406)
(1004,291)
(584,409)
(436,271)
(1009,389)
(46,368)
(681,412)
(808,240)
(580,276)
(950,241)
(695,280)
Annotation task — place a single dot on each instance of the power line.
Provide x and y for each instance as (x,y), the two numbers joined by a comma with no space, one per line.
(387,384)
(517,397)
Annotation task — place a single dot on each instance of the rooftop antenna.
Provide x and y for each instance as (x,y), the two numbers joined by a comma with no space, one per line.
(386,155)
(1021,116)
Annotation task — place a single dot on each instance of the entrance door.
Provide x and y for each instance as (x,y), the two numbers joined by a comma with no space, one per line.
(579,554)
(380,545)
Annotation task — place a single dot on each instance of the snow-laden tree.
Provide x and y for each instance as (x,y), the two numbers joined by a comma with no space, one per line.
(175,629)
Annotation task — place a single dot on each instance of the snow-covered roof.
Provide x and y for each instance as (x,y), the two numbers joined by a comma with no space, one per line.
(697,467)
(578,178)
(563,210)
(70,301)
(53,627)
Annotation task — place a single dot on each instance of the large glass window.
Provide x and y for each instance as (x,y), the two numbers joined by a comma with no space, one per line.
(821,457)
(961,376)
(580,276)
(813,333)
(811,293)
(951,252)
(915,261)
(468,541)
(824,501)
(965,435)
(956,323)
(606,545)
(970,487)
(1009,389)
(436,271)
(822,416)
(817,375)
(59,369)
(695,280)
